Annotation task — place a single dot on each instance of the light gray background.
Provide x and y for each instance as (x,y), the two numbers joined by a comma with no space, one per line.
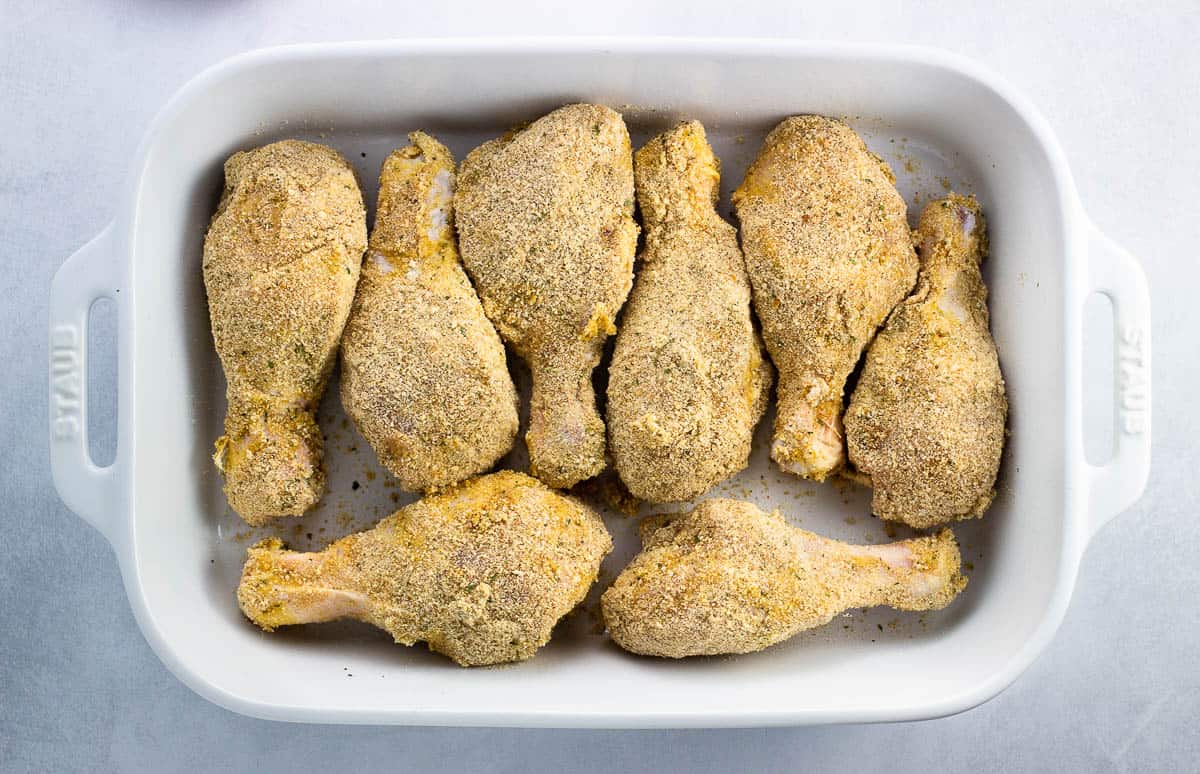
(79,688)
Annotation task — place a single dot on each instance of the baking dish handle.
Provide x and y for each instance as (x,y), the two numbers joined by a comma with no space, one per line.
(90,491)
(1115,486)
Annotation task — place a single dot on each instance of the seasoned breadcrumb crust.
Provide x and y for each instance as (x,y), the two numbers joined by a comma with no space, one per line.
(281,259)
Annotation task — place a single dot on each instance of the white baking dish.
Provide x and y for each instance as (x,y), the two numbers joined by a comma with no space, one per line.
(936,117)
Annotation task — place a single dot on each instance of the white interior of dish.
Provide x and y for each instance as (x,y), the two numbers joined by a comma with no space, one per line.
(936,128)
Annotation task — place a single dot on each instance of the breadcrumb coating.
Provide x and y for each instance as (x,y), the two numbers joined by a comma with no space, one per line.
(424,376)
(829,255)
(688,380)
(281,259)
(481,572)
(926,422)
(546,230)
(729,578)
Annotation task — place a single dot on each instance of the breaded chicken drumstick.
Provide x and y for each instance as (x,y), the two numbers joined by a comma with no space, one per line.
(281,260)
(689,378)
(829,255)
(926,423)
(423,372)
(728,578)
(545,223)
(481,573)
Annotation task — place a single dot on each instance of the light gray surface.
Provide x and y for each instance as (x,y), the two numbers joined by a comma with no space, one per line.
(79,688)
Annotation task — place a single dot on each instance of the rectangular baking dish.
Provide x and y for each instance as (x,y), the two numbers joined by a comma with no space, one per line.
(939,119)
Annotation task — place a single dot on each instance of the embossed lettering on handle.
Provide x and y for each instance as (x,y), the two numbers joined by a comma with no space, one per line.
(66,382)
(1116,485)
(1133,384)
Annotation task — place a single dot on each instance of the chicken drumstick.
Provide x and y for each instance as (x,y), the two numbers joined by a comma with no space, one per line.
(481,572)
(423,372)
(829,255)
(545,223)
(281,260)
(729,578)
(689,378)
(925,425)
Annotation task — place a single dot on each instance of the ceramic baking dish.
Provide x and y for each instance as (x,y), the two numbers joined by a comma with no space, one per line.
(940,120)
